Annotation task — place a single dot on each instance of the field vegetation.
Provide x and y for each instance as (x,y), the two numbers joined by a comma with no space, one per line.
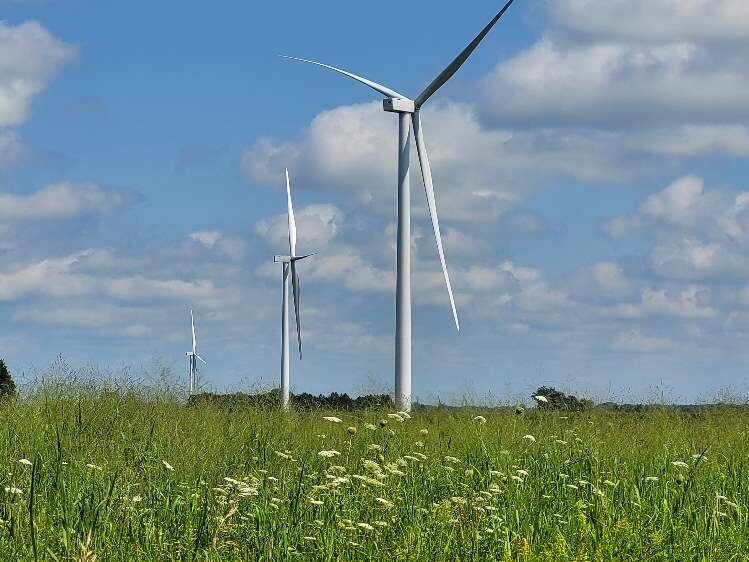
(92,472)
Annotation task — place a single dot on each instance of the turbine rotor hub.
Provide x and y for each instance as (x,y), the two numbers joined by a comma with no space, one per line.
(398,105)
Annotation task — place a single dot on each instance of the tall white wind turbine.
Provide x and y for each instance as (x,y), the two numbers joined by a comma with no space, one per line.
(289,269)
(408,115)
(194,357)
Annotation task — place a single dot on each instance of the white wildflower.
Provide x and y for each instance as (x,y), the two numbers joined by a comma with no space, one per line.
(13,490)
(680,464)
(365,526)
(530,438)
(27,462)
(540,398)
(481,420)
(332,419)
(452,459)
(168,466)
(385,502)
(329,454)
(397,417)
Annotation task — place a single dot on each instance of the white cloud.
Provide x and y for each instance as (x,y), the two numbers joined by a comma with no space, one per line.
(692,139)
(603,280)
(478,173)
(64,277)
(215,240)
(616,85)
(634,341)
(29,58)
(12,149)
(655,21)
(62,201)
(691,302)
(317,226)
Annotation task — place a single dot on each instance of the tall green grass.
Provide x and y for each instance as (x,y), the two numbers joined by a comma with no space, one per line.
(94,474)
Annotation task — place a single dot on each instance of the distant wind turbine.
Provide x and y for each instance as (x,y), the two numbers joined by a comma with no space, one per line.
(289,267)
(408,115)
(193,357)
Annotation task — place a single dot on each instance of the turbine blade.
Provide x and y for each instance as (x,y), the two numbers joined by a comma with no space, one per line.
(297,258)
(384,90)
(194,340)
(453,67)
(426,174)
(295,290)
(203,360)
(292,222)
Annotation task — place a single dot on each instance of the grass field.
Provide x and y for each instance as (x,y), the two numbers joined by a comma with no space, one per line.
(112,476)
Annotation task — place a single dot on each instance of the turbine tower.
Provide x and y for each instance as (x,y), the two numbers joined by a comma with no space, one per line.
(193,357)
(289,268)
(408,116)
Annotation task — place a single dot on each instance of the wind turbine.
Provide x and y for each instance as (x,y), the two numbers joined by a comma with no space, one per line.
(408,115)
(193,357)
(289,268)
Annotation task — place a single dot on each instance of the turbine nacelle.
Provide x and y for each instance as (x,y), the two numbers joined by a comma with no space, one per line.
(290,259)
(398,105)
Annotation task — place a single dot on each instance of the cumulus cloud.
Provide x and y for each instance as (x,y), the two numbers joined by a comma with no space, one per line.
(216,241)
(656,21)
(67,277)
(62,201)
(30,57)
(635,341)
(317,226)
(12,149)
(478,173)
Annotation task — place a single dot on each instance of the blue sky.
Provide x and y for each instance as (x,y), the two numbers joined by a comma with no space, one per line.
(589,164)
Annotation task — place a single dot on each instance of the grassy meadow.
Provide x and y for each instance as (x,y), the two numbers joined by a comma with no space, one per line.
(94,475)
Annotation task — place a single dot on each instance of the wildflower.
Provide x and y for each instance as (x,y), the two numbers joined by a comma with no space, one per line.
(530,438)
(27,462)
(563,476)
(370,426)
(560,441)
(481,420)
(371,465)
(680,464)
(168,466)
(405,415)
(519,410)
(13,490)
(332,419)
(422,456)
(396,417)
(424,431)
(419,443)
(651,479)
(374,447)
(522,472)
(136,499)
(367,480)
(308,538)
(452,459)
(385,502)
(93,466)
(329,454)
(571,486)
(316,502)
(541,398)
(516,478)
(469,472)
(609,483)
(351,430)
(380,523)
(271,479)
(366,526)
(281,455)
(383,422)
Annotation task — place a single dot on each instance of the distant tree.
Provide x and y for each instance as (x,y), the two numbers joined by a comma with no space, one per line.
(549,398)
(7,386)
